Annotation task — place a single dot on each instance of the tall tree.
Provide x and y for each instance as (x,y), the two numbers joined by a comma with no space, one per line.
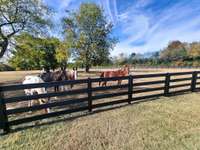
(89,34)
(194,50)
(20,15)
(34,53)
(174,51)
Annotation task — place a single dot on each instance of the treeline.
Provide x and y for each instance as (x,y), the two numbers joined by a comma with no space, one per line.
(86,41)
(37,53)
(86,36)
(176,54)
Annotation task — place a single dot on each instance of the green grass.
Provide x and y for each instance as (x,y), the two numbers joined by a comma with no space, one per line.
(166,123)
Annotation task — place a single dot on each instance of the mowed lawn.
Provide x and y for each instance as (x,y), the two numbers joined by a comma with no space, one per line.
(165,123)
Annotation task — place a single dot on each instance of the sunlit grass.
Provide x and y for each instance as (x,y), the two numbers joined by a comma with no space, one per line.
(166,123)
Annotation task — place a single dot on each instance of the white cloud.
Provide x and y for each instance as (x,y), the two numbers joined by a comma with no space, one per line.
(154,30)
(110,7)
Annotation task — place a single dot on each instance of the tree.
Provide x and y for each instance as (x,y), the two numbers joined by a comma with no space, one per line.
(20,15)
(194,50)
(175,50)
(62,55)
(88,32)
(34,53)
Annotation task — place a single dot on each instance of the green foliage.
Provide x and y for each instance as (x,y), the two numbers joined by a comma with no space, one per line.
(62,54)
(175,51)
(21,15)
(88,33)
(194,51)
(176,54)
(34,53)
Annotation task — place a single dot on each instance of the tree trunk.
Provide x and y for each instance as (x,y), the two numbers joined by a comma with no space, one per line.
(87,68)
(3,47)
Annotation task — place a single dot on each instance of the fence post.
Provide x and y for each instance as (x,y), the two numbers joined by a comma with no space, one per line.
(89,95)
(167,84)
(3,116)
(130,88)
(193,82)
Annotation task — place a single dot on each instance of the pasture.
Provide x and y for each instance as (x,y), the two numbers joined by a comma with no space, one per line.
(10,77)
(166,123)
(146,125)
(18,76)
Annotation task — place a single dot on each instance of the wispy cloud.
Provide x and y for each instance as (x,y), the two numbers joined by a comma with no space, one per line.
(144,25)
(175,22)
(142,3)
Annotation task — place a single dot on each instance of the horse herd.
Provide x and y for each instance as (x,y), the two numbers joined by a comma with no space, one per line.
(63,75)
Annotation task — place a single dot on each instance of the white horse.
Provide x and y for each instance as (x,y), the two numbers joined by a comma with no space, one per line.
(31,80)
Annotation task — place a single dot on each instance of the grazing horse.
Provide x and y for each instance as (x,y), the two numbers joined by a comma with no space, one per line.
(31,80)
(60,75)
(117,73)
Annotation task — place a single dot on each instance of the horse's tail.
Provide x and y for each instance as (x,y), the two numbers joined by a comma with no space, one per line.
(101,76)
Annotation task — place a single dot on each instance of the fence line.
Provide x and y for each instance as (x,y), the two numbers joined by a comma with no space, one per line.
(5,123)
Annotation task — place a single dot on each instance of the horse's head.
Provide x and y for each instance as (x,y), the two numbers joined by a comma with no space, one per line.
(127,69)
(63,75)
(75,73)
(46,76)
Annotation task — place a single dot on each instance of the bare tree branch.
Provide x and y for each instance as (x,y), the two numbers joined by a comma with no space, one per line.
(18,15)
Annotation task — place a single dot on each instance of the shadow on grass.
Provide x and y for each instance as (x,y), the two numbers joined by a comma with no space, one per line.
(63,118)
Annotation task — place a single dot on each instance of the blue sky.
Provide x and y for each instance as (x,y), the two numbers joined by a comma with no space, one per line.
(143,25)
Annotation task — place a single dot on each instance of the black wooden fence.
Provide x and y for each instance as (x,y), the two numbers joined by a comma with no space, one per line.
(130,86)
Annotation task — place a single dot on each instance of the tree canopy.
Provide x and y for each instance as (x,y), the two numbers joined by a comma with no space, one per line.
(89,35)
(62,55)
(21,15)
(174,51)
(37,53)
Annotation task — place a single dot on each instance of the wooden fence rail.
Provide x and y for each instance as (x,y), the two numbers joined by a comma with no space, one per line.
(129,89)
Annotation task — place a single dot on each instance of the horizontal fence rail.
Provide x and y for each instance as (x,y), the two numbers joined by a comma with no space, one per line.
(39,85)
(46,95)
(168,85)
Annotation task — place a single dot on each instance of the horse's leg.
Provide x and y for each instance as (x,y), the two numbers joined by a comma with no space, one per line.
(119,82)
(30,101)
(48,101)
(63,88)
(55,90)
(47,110)
(45,101)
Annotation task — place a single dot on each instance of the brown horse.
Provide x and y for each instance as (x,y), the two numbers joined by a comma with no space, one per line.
(60,75)
(117,73)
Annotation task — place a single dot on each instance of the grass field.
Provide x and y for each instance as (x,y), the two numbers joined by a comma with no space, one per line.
(167,123)
(17,76)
